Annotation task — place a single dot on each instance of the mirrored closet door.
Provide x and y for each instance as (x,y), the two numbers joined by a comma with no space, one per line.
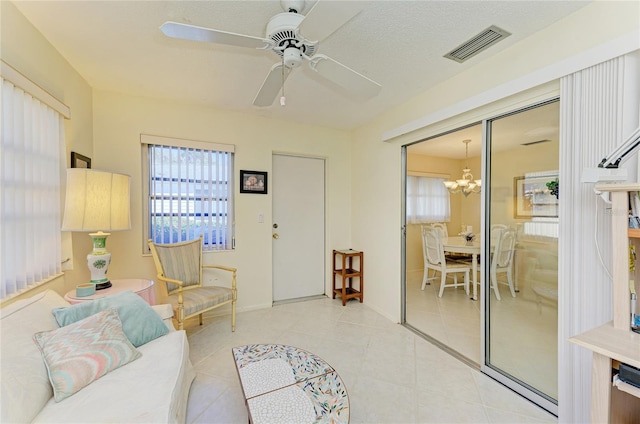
(521,271)
(447,315)
(504,320)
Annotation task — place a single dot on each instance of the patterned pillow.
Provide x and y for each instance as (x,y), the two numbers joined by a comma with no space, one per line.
(80,353)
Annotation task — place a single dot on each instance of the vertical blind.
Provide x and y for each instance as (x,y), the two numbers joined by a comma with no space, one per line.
(190,194)
(31,157)
(598,108)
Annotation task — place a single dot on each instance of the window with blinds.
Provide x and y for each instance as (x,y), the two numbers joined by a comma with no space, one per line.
(31,163)
(190,192)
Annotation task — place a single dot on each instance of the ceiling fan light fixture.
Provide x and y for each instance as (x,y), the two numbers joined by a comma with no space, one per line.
(292,57)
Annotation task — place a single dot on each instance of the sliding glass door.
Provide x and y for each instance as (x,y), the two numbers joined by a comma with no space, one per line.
(449,318)
(520,273)
(510,330)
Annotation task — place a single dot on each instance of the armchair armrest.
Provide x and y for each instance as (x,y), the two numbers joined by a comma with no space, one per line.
(232,270)
(224,268)
(169,280)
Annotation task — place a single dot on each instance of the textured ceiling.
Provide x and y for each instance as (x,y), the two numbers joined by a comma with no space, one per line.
(117,46)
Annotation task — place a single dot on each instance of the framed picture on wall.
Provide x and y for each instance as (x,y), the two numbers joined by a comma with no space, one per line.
(80,161)
(533,198)
(253,182)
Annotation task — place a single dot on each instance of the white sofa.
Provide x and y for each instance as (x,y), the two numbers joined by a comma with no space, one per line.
(154,388)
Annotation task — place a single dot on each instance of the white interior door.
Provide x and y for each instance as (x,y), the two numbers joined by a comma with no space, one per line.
(298,227)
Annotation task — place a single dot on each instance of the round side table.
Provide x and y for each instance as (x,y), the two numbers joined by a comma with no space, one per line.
(143,288)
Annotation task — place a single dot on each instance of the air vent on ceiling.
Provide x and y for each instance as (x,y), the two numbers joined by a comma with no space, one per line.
(475,45)
(531,143)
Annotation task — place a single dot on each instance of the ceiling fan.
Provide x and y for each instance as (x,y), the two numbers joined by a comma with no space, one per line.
(284,37)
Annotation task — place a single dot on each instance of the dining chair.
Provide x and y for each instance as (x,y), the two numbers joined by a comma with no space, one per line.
(442,227)
(433,252)
(502,258)
(179,266)
(496,230)
(443,233)
(425,277)
(450,255)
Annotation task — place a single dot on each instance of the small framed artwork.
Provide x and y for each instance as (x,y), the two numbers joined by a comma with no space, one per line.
(533,198)
(253,182)
(80,161)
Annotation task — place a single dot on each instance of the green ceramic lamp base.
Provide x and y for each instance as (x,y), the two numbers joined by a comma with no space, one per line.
(98,261)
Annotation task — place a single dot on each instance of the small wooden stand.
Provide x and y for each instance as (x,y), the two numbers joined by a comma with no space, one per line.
(347,273)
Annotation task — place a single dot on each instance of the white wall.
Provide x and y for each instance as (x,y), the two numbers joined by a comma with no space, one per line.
(118,122)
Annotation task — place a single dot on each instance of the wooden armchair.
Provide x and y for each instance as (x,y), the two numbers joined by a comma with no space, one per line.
(179,267)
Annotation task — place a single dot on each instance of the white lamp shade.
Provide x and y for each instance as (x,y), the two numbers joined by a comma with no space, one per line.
(96,201)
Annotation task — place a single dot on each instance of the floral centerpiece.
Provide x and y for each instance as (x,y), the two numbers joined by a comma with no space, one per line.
(469,237)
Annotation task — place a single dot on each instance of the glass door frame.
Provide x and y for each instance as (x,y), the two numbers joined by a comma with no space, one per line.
(511,382)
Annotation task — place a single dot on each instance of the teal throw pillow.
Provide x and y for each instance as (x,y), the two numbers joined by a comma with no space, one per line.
(140,322)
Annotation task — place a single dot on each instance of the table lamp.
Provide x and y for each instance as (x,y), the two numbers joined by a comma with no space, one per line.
(97,201)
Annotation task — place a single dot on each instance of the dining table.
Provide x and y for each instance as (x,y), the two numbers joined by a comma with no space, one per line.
(457,244)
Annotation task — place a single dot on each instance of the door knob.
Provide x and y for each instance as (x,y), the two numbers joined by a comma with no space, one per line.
(276,236)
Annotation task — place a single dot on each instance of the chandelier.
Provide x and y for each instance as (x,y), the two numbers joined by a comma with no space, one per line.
(467,184)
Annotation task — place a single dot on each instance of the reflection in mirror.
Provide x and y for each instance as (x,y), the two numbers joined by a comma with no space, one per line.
(530,171)
(522,161)
(452,320)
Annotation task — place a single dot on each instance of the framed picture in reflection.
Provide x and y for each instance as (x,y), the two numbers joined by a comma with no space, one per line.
(532,197)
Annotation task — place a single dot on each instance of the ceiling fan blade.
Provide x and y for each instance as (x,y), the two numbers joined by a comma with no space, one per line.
(325,17)
(195,33)
(271,85)
(344,76)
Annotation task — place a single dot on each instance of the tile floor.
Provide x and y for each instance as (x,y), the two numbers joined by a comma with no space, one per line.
(392,375)
(454,320)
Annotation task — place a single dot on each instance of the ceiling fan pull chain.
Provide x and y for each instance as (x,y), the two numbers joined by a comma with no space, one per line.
(282,99)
